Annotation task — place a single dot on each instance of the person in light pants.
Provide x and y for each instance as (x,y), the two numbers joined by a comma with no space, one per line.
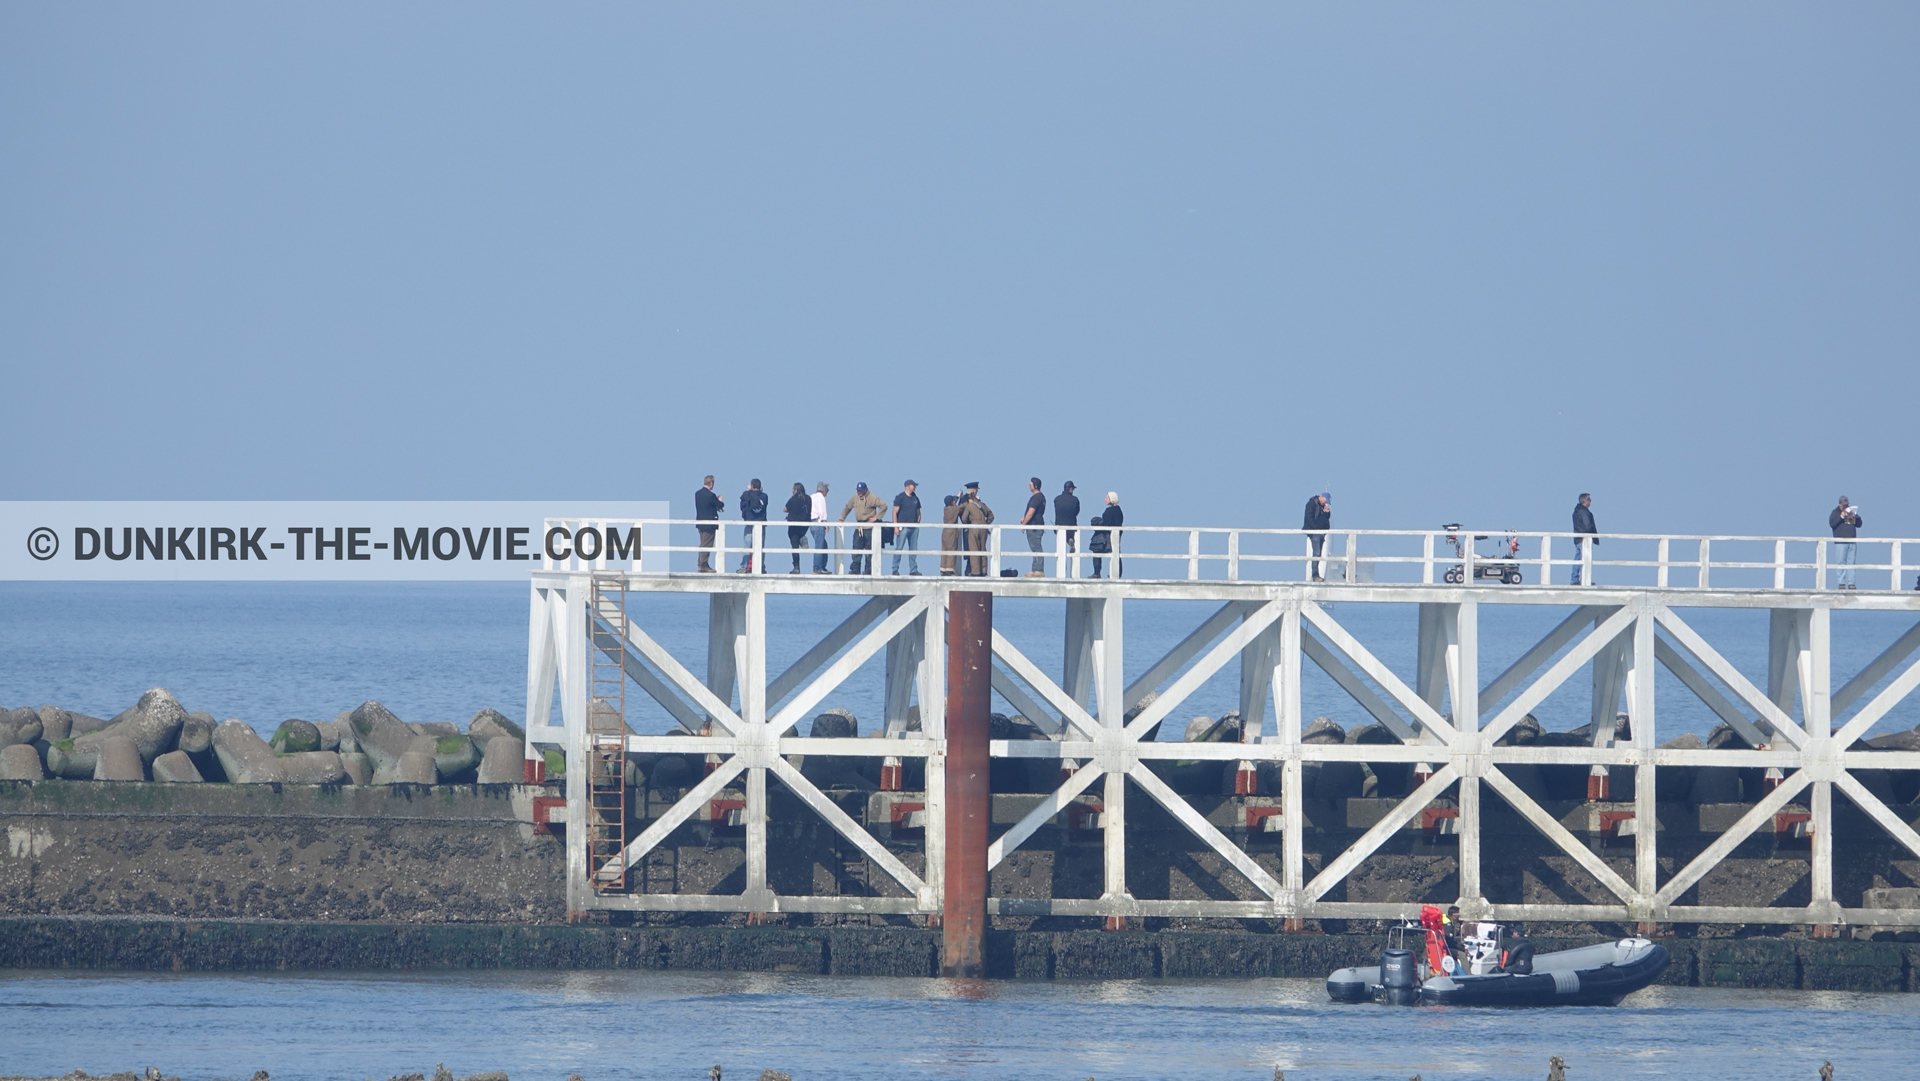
(1845,521)
(819,510)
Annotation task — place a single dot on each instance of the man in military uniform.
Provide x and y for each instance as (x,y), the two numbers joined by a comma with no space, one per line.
(973,512)
(950,536)
(865,507)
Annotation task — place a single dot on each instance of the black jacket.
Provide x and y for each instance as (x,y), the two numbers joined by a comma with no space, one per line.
(1112,516)
(800,508)
(1583,520)
(706,505)
(753,506)
(1842,527)
(1066,509)
(1519,958)
(1318,517)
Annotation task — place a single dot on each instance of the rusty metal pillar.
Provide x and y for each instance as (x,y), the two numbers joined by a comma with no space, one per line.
(969,798)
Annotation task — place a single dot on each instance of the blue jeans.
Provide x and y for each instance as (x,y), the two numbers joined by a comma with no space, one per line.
(1579,546)
(1036,538)
(906,538)
(1844,555)
(819,549)
(746,540)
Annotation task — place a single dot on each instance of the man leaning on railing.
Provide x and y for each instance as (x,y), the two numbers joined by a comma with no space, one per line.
(1845,521)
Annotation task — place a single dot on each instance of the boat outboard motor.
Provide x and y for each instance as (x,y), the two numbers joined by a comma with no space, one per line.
(1399,983)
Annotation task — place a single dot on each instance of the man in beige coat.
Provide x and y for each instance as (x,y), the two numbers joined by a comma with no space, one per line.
(865,507)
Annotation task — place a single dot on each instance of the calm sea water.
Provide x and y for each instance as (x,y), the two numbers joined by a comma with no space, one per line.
(442,651)
(606,1025)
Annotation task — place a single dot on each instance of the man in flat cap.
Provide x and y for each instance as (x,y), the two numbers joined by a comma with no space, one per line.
(973,512)
(865,507)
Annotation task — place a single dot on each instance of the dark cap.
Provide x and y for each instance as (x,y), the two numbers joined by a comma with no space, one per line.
(971,484)
(860,487)
(1068,485)
(911,484)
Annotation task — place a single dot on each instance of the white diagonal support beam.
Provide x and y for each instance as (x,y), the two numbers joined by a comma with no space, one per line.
(1022,702)
(1871,713)
(1530,661)
(1876,669)
(836,640)
(1358,655)
(1056,801)
(1075,715)
(1724,670)
(1878,811)
(1602,637)
(1677,661)
(1350,681)
(657,689)
(1189,648)
(871,643)
(1758,815)
(1250,628)
(696,798)
(1560,835)
(847,827)
(1205,830)
(687,683)
(1344,864)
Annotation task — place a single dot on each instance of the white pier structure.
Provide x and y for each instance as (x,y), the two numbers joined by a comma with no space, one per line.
(1271,620)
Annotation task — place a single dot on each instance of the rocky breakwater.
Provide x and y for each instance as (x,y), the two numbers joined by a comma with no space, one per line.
(157,739)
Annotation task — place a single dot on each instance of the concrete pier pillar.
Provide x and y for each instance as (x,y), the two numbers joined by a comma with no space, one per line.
(969,798)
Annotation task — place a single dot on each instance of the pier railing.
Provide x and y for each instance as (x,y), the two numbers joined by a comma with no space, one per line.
(1453,723)
(1177,553)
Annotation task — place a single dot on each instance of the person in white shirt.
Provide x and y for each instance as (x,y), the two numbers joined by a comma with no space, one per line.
(820,529)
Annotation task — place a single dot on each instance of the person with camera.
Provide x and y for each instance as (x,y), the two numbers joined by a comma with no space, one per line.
(1319,519)
(1106,538)
(1845,521)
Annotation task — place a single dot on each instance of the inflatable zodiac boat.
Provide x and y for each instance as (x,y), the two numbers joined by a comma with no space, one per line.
(1477,971)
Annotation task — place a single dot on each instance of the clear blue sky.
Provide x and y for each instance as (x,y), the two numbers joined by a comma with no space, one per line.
(1456,261)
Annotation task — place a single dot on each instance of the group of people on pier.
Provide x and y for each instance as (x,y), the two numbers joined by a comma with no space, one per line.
(963,518)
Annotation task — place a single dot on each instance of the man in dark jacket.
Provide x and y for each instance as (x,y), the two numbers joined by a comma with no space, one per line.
(1319,519)
(706,508)
(799,513)
(1582,524)
(1845,521)
(753,508)
(1519,954)
(1066,512)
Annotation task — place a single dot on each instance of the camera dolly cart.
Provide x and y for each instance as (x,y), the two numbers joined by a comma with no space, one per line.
(1501,567)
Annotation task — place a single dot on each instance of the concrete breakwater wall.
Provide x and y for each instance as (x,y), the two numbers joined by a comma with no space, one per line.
(225,946)
(420,854)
